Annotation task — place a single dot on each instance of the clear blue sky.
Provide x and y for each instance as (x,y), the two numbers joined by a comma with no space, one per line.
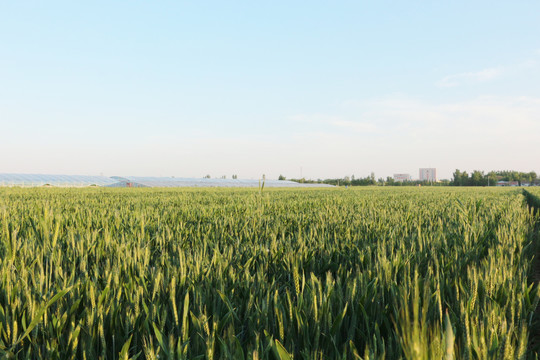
(244,87)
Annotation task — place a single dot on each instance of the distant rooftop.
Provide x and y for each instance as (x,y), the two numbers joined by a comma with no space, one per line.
(37,180)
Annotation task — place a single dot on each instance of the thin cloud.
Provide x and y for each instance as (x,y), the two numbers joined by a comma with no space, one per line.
(313,118)
(336,122)
(491,73)
(470,77)
(361,127)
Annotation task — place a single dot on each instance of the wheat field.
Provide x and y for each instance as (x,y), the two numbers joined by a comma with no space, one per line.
(370,273)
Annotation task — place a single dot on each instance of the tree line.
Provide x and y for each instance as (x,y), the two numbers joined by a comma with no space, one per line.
(459,178)
(370,180)
(479,178)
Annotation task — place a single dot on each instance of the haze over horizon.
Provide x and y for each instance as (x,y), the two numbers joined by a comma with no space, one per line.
(313,89)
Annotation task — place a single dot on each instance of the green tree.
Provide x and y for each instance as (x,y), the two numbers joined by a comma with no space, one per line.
(456,180)
(477,178)
(464,181)
(492,178)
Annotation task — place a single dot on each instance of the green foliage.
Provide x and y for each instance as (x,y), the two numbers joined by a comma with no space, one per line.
(478,178)
(411,273)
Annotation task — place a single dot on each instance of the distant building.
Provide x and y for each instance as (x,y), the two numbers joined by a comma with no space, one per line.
(513,183)
(402,177)
(428,174)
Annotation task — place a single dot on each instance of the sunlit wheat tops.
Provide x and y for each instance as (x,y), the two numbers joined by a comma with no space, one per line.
(267,274)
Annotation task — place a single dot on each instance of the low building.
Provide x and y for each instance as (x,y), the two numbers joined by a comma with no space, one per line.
(402,177)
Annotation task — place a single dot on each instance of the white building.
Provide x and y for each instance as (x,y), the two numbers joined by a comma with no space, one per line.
(402,177)
(428,174)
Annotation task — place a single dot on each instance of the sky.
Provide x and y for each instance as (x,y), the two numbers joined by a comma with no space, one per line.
(317,89)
